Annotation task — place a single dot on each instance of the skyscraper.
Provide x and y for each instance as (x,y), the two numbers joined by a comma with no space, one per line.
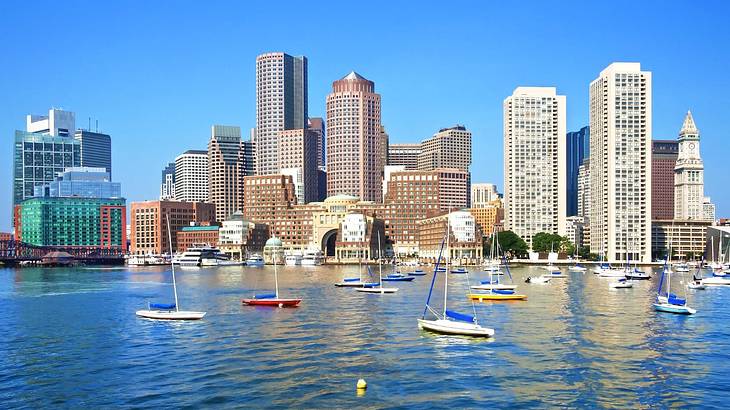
(225,170)
(298,151)
(354,139)
(316,124)
(621,129)
(689,185)
(167,185)
(281,104)
(191,176)
(96,149)
(534,162)
(448,148)
(482,195)
(57,123)
(577,148)
(663,159)
(405,155)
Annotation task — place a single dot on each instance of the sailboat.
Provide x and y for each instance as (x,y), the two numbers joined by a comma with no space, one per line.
(396,275)
(272,299)
(378,287)
(493,283)
(355,282)
(169,311)
(449,321)
(667,301)
(493,294)
(577,267)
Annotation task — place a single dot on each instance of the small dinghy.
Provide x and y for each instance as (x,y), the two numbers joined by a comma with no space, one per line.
(638,274)
(417,272)
(577,268)
(272,299)
(542,279)
(378,287)
(458,271)
(496,295)
(621,284)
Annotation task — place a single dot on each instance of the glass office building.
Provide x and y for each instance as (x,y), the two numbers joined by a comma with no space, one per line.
(83,182)
(38,159)
(577,150)
(96,149)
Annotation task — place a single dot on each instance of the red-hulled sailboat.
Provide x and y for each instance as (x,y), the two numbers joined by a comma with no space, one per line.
(272,299)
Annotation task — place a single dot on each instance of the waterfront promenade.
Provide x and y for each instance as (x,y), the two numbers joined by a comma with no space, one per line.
(71,340)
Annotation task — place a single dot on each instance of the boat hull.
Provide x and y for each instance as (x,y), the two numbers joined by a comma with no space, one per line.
(399,279)
(357,284)
(277,302)
(450,327)
(170,314)
(676,309)
(495,297)
(716,281)
(496,286)
(377,290)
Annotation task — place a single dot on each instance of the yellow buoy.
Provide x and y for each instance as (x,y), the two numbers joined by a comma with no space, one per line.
(361,384)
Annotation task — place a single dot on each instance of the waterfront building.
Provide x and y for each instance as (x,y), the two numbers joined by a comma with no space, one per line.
(73,222)
(188,236)
(387,171)
(717,241)
(316,125)
(465,238)
(488,216)
(483,195)
(58,123)
(577,150)
(225,170)
(267,199)
(298,155)
(415,195)
(239,237)
(281,104)
(448,148)
(663,160)
(148,232)
(534,162)
(685,237)
(82,182)
(405,155)
(191,176)
(358,238)
(621,130)
(96,149)
(167,187)
(354,164)
(249,158)
(689,181)
(574,226)
(39,158)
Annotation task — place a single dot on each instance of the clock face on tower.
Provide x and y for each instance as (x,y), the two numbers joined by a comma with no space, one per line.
(691,146)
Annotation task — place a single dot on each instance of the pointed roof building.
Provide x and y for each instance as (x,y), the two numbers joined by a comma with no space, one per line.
(689,129)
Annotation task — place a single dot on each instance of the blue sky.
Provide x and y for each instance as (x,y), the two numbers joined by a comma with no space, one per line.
(157,75)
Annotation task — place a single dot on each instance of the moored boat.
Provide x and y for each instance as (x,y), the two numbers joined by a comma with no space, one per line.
(272,299)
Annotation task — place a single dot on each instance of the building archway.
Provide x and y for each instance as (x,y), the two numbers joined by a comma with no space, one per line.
(328,243)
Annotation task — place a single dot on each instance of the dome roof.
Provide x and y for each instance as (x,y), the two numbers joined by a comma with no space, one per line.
(341,198)
(273,241)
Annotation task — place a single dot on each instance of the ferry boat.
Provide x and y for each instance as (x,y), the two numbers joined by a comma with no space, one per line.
(312,258)
(195,255)
(255,260)
(293,260)
(146,260)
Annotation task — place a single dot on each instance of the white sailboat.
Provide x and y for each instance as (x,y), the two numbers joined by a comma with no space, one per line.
(166,311)
(356,282)
(448,321)
(493,283)
(378,288)
(666,301)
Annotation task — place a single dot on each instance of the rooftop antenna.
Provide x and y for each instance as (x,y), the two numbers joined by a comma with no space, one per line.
(97,126)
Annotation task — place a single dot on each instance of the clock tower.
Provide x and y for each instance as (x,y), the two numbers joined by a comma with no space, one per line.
(689,171)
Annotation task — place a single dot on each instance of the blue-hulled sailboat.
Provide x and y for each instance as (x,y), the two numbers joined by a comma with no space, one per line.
(666,301)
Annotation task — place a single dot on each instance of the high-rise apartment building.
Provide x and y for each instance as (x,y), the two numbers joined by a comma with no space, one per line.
(225,170)
(663,159)
(267,198)
(96,149)
(167,186)
(689,183)
(448,148)
(191,176)
(316,125)
(621,130)
(577,150)
(354,139)
(534,162)
(584,188)
(281,104)
(298,151)
(404,154)
(483,194)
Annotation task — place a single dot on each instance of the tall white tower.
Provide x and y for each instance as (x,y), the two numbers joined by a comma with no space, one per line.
(534,162)
(620,163)
(689,172)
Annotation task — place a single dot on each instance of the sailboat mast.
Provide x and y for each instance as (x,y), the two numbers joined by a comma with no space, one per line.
(276,275)
(448,259)
(172,265)
(380,262)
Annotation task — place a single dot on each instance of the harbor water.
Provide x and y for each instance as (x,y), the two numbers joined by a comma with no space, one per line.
(69,338)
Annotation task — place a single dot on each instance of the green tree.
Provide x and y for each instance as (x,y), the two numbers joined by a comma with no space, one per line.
(511,243)
(584,252)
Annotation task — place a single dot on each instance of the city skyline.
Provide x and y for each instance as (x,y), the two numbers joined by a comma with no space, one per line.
(407,112)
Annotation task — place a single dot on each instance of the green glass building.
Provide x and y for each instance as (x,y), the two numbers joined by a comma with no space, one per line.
(73,222)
